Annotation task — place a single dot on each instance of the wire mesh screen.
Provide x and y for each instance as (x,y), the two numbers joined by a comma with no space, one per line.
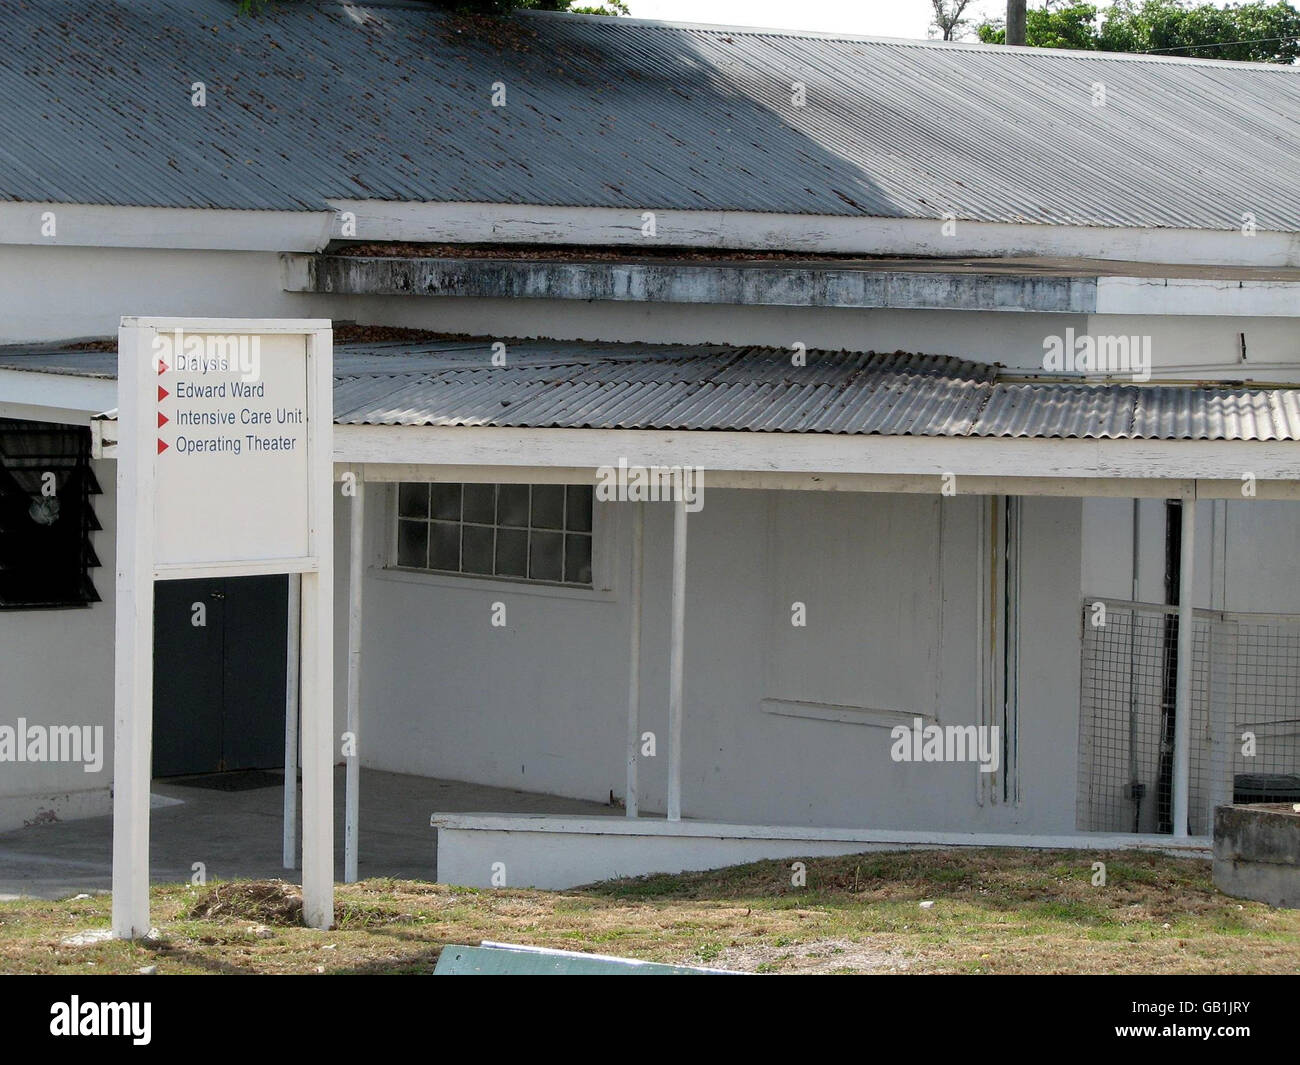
(1245,714)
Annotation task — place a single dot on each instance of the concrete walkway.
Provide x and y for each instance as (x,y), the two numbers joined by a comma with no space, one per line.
(238,834)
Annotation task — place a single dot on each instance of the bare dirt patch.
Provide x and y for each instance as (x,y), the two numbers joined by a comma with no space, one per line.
(268,902)
(821,956)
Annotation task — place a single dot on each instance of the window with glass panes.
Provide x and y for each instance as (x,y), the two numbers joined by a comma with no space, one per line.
(538,532)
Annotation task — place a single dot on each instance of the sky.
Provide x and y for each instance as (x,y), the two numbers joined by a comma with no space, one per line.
(865,18)
(861,18)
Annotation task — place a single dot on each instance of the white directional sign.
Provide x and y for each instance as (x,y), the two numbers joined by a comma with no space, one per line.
(232,447)
(225,469)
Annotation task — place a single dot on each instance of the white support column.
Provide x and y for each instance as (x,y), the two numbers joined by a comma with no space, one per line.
(1183,677)
(294,643)
(356,575)
(133,685)
(675,660)
(316,730)
(632,801)
(317,753)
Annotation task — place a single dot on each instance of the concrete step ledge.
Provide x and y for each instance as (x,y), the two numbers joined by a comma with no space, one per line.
(557,851)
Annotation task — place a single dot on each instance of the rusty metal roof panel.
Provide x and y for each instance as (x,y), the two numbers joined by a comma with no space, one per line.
(317,101)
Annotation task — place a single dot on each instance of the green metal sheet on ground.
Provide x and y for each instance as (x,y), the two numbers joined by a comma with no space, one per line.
(503,959)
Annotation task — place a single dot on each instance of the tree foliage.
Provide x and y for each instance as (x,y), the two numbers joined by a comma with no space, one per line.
(1257,31)
(949,18)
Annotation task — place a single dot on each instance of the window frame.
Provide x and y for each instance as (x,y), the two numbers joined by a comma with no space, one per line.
(602,537)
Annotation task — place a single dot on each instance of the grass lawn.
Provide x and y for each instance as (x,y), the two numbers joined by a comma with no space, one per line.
(994,911)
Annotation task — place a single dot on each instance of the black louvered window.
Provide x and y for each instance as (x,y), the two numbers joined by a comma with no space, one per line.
(46,516)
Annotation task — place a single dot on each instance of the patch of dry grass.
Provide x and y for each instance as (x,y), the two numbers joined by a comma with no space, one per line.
(999,911)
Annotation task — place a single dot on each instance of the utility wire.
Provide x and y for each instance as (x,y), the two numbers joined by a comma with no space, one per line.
(1222,44)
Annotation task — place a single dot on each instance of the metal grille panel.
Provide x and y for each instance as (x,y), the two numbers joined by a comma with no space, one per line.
(1245,729)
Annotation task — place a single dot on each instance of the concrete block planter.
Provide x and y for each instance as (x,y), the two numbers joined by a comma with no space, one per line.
(1257,853)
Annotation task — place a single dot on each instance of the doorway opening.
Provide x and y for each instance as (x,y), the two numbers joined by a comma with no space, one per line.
(220,649)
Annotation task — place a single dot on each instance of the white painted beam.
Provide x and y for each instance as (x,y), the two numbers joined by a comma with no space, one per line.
(92,395)
(317,753)
(821,282)
(494,223)
(356,578)
(676,658)
(1071,487)
(59,415)
(796,284)
(193,228)
(632,799)
(820,454)
(294,650)
(1197,296)
(133,682)
(317,690)
(617,826)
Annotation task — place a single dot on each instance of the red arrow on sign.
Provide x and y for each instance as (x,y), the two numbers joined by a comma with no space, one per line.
(162,367)
(162,446)
(162,419)
(162,393)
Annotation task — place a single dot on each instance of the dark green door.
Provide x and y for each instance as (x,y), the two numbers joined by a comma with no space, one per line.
(219,674)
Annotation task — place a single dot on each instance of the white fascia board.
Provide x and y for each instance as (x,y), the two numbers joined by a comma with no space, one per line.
(489,223)
(1198,296)
(818,453)
(56,415)
(57,392)
(783,481)
(188,228)
(109,226)
(229,325)
(387,454)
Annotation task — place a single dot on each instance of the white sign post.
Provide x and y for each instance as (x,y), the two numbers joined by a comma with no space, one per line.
(224,469)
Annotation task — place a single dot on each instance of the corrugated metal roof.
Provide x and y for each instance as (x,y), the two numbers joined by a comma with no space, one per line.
(315,101)
(575,385)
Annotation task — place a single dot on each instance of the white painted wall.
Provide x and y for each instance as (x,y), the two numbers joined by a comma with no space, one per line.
(1247,553)
(56,668)
(1180,347)
(56,293)
(540,704)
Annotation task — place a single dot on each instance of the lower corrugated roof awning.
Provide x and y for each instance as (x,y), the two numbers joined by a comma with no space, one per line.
(577,385)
